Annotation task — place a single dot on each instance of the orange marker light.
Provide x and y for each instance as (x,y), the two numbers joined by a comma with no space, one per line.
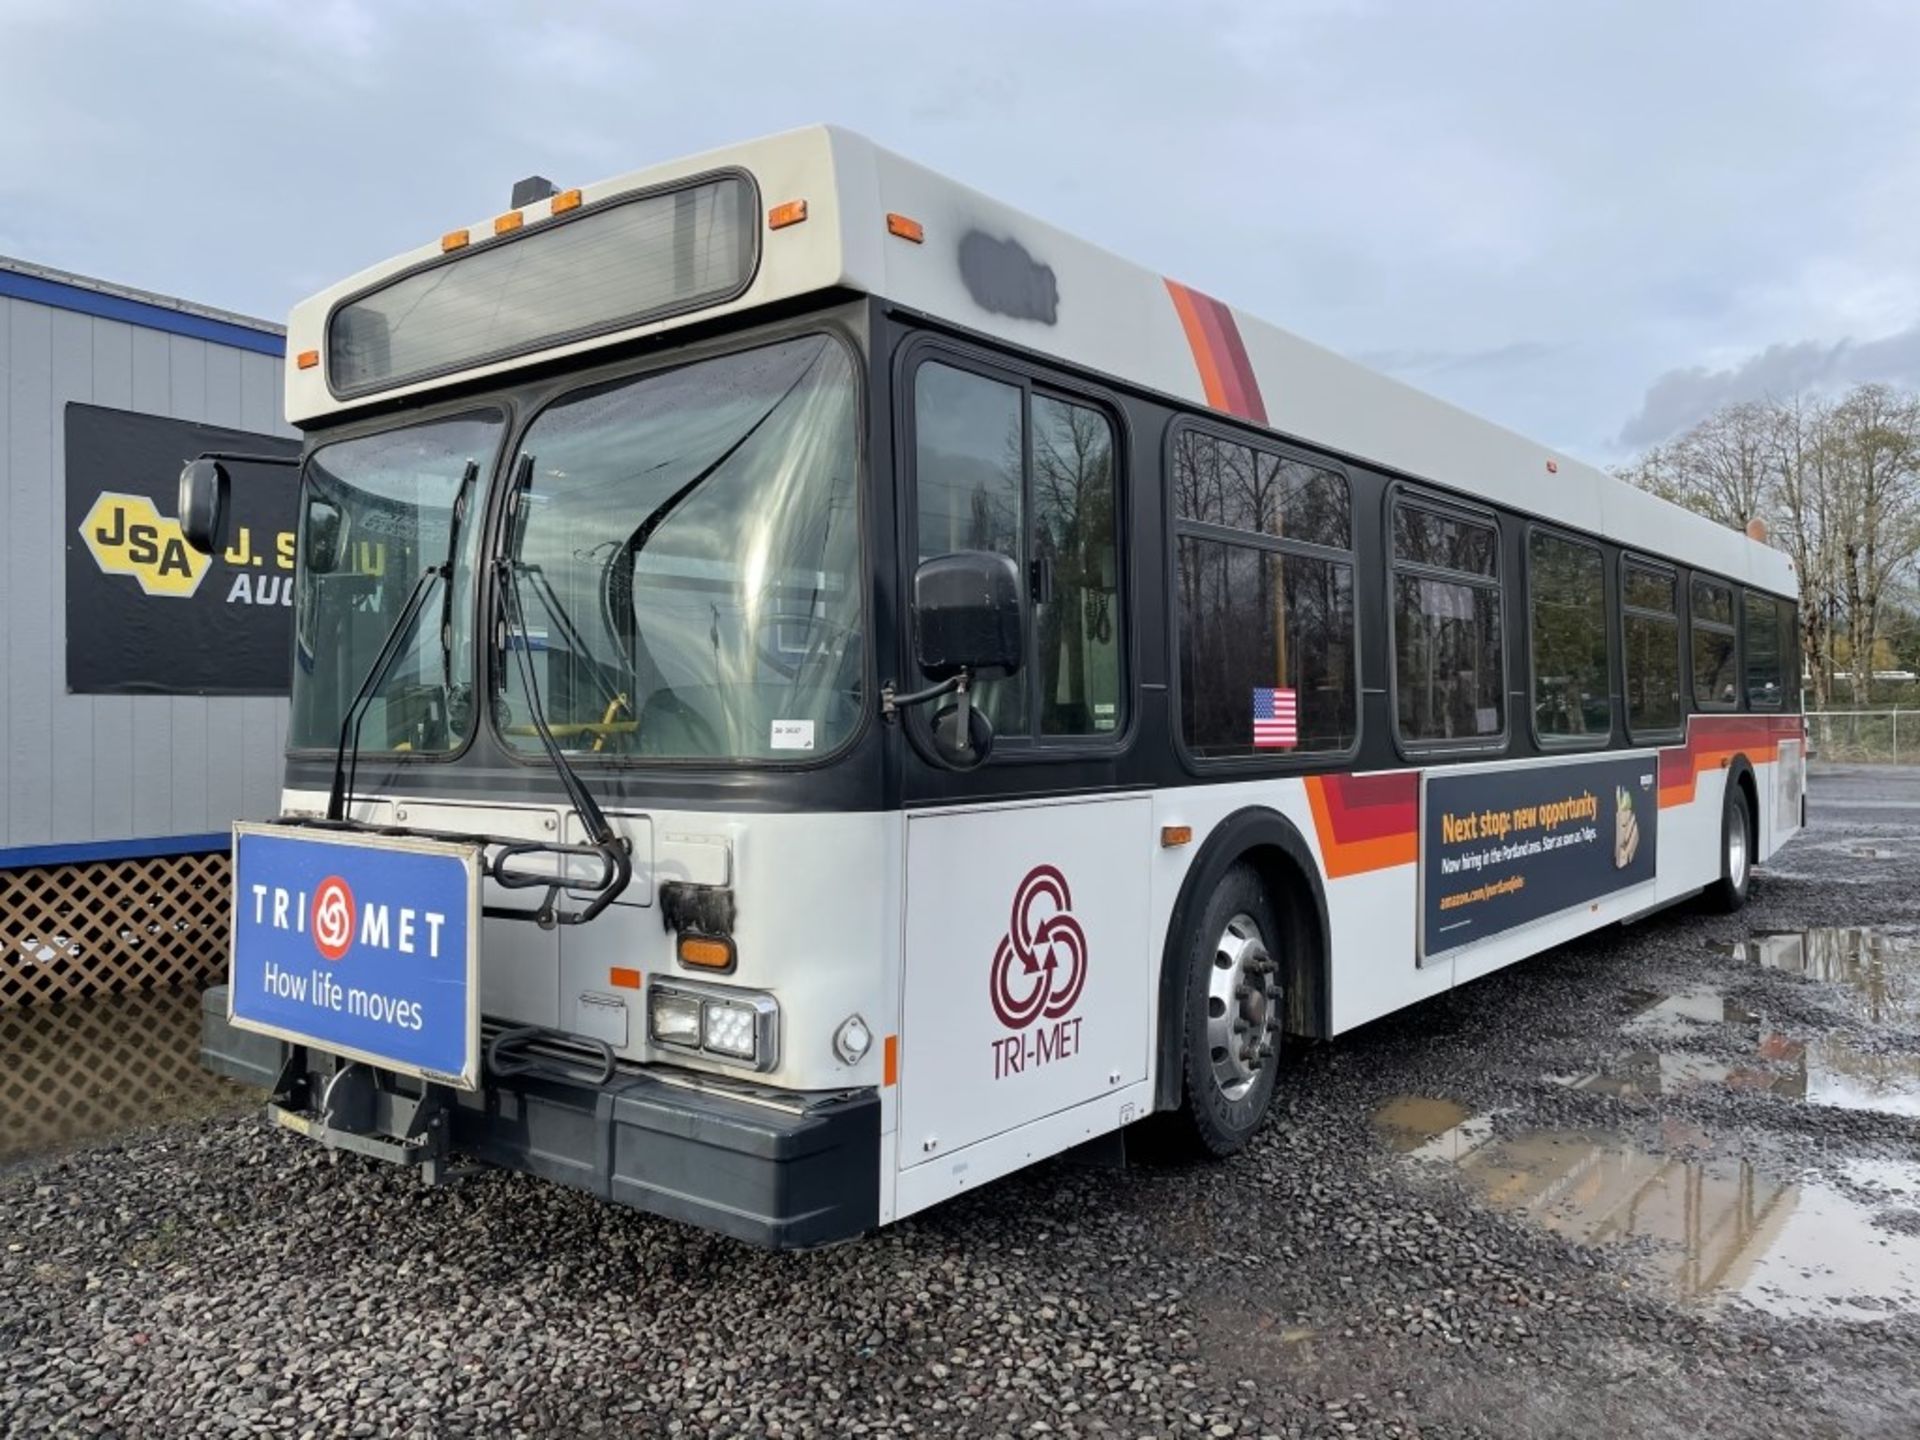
(890,1063)
(906,228)
(566,200)
(307,359)
(705,952)
(622,978)
(455,240)
(790,213)
(512,220)
(1172,835)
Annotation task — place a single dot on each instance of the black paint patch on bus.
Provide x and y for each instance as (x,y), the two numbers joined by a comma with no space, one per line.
(1002,277)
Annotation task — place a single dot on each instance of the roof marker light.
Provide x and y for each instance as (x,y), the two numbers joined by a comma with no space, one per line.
(566,200)
(906,228)
(307,359)
(1553,467)
(454,240)
(792,212)
(512,220)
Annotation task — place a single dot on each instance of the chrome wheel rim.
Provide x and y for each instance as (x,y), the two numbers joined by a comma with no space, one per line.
(1737,855)
(1243,1006)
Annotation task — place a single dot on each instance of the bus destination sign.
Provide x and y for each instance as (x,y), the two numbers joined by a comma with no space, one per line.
(1499,849)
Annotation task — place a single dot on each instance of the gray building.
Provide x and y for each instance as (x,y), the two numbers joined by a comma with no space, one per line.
(101,777)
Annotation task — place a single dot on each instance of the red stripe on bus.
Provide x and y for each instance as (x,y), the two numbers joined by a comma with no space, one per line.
(1242,367)
(1713,740)
(1365,822)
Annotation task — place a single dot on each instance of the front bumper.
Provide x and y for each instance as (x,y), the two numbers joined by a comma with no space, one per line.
(785,1172)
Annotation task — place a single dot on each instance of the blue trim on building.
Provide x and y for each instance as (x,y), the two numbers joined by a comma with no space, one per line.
(138,312)
(26,857)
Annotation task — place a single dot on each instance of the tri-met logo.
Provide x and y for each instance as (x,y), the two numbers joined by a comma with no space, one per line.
(337,922)
(128,536)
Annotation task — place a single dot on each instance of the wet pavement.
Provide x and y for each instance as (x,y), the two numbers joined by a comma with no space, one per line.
(1664,1181)
(90,1070)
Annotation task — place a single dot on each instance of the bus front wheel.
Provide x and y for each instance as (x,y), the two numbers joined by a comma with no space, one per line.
(1736,853)
(1235,1006)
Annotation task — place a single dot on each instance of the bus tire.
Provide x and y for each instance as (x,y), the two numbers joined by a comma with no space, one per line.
(1235,1010)
(1729,893)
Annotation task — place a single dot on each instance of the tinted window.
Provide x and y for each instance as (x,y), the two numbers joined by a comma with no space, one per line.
(1076,618)
(1566,589)
(1444,540)
(1030,476)
(1448,674)
(1253,621)
(1221,482)
(1714,681)
(969,466)
(1266,624)
(1766,652)
(1651,630)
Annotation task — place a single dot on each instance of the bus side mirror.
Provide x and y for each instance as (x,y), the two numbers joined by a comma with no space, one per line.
(966,616)
(321,540)
(202,507)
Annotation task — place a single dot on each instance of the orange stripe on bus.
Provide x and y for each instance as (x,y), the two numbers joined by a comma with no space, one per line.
(1203,358)
(1356,856)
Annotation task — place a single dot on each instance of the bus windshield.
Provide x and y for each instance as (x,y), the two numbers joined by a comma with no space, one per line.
(375,513)
(685,553)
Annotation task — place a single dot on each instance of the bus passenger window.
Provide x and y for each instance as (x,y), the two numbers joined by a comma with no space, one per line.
(1715,682)
(1567,600)
(1650,625)
(1766,672)
(1265,597)
(1448,663)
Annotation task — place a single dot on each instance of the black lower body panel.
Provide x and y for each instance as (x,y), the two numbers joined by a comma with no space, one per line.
(781,1175)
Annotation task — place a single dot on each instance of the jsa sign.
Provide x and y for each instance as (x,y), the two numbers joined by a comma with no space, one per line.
(146,614)
(361,946)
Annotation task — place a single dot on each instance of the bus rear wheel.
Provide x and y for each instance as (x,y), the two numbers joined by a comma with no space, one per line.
(1729,893)
(1235,1006)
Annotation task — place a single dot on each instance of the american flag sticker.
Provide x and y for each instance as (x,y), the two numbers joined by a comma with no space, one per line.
(1275,719)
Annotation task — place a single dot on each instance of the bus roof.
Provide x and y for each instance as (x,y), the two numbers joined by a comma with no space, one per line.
(876,223)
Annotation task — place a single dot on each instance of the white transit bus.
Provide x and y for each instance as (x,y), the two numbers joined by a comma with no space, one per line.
(814,690)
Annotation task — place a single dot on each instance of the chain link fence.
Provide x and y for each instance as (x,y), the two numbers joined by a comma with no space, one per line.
(1890,737)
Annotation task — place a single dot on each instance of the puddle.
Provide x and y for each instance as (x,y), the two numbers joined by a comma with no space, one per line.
(1718,1229)
(1821,1070)
(1879,972)
(92,1069)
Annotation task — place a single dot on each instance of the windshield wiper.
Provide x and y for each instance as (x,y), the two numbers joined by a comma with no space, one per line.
(611,851)
(346,758)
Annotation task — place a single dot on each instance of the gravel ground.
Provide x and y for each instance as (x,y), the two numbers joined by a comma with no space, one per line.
(216,1278)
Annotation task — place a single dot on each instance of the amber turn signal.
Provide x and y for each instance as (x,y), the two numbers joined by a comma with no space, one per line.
(307,359)
(1172,835)
(906,228)
(706,952)
(791,212)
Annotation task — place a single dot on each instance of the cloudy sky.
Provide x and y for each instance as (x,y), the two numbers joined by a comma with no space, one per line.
(1591,221)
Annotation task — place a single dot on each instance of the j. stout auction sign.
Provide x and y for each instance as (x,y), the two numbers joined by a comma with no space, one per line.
(1499,849)
(147,615)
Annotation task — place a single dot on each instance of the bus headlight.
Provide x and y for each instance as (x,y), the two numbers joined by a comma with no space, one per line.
(737,1027)
(675,1018)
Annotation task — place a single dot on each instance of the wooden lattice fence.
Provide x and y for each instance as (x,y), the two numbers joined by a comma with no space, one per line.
(98,1067)
(109,927)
